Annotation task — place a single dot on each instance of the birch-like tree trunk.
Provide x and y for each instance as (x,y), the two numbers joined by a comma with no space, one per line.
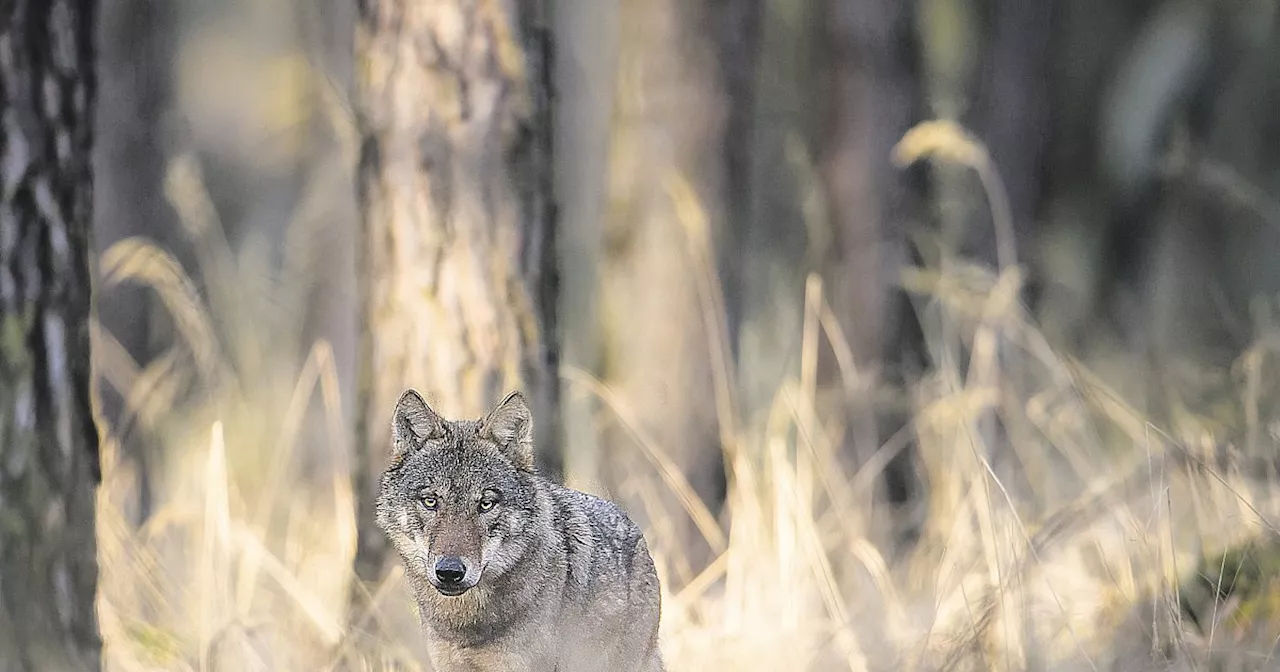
(48,441)
(454,184)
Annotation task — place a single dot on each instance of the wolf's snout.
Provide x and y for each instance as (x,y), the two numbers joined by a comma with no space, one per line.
(450,571)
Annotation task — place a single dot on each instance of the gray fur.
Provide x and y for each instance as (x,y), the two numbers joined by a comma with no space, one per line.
(556,580)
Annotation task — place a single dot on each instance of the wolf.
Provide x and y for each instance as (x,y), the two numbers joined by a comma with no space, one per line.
(511,571)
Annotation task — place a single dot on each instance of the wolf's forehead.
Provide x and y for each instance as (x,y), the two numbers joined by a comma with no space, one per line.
(462,467)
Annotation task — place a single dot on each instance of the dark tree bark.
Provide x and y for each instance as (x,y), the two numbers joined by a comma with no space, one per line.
(1011,114)
(48,441)
(774,236)
(869,75)
(453,183)
(872,96)
(736,28)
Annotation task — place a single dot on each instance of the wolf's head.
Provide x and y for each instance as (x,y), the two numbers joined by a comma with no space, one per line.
(457,496)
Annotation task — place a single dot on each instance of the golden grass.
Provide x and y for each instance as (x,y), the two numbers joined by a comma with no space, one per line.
(1068,551)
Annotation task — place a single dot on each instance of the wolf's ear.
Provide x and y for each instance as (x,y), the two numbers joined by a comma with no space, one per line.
(510,425)
(412,422)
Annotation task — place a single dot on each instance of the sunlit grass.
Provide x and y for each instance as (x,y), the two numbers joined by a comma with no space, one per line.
(1061,529)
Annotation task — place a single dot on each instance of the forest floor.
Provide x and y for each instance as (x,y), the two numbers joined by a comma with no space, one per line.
(1063,529)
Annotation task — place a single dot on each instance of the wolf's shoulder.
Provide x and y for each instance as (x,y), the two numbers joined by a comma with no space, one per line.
(601,539)
(606,519)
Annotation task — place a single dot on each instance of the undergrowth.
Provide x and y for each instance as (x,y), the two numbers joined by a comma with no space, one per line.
(1061,530)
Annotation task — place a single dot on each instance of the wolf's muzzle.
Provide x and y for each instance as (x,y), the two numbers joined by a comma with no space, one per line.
(451,575)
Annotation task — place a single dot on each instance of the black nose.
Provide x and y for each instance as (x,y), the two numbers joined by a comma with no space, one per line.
(450,570)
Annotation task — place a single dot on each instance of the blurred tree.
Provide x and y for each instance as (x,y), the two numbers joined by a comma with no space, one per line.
(136,42)
(1152,285)
(870,96)
(677,97)
(869,93)
(737,32)
(48,441)
(585,70)
(772,223)
(1010,112)
(454,182)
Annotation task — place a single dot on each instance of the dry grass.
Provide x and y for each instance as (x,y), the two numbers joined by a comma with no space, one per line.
(1060,531)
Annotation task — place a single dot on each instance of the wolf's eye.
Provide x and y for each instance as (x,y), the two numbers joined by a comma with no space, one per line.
(488,501)
(429,501)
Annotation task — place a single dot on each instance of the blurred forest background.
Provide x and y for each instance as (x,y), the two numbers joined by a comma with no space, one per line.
(917,334)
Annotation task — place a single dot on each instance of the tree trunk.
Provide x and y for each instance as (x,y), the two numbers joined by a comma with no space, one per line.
(48,442)
(454,179)
(670,109)
(586,62)
(1011,114)
(736,28)
(873,96)
(775,235)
